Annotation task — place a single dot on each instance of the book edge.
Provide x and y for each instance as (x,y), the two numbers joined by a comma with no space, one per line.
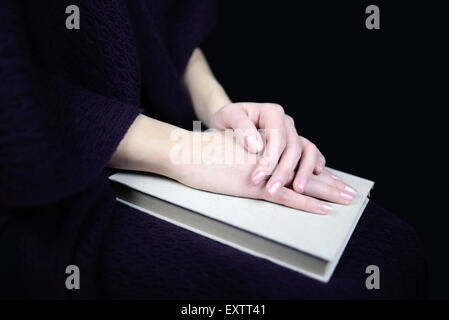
(305,257)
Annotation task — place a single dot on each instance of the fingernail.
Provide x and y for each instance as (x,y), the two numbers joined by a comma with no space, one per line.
(351,190)
(274,188)
(348,197)
(301,185)
(324,208)
(253,142)
(258,177)
(335,177)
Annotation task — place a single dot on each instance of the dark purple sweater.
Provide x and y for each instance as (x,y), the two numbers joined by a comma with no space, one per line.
(67,99)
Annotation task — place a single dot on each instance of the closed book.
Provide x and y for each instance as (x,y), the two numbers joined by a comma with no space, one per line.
(308,243)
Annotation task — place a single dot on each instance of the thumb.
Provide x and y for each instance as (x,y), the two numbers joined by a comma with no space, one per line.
(247,134)
(245,131)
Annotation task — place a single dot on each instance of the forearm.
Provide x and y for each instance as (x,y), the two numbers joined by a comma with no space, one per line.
(206,93)
(146,147)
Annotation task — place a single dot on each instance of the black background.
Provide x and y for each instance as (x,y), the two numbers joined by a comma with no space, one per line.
(370,99)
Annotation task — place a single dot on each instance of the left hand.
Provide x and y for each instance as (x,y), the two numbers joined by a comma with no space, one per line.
(285,151)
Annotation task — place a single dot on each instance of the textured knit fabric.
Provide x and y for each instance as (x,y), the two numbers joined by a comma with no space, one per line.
(174,263)
(67,98)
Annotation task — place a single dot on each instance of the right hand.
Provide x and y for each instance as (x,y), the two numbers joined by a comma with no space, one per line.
(235,178)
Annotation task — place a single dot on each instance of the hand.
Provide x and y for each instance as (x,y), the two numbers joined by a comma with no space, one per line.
(285,151)
(214,174)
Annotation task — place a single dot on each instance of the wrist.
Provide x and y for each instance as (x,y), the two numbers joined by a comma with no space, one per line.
(168,156)
(175,159)
(216,101)
(147,146)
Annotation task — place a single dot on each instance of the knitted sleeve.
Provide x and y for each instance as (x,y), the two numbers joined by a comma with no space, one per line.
(167,32)
(55,136)
(187,23)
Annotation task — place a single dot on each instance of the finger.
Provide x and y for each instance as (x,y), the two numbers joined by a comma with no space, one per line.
(234,117)
(307,164)
(320,164)
(328,177)
(275,134)
(287,163)
(290,198)
(329,191)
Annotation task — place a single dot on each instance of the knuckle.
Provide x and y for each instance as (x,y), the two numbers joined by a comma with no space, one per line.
(304,141)
(340,185)
(279,108)
(311,147)
(297,141)
(283,198)
(310,203)
(323,159)
(329,190)
(230,108)
(276,108)
(290,119)
(335,192)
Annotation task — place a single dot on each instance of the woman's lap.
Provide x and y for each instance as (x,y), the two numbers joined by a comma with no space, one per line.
(145,257)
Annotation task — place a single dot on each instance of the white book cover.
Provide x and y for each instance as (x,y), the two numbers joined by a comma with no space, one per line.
(308,243)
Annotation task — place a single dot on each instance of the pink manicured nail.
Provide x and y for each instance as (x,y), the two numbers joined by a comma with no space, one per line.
(324,208)
(335,177)
(274,188)
(351,190)
(301,185)
(346,196)
(258,177)
(253,142)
